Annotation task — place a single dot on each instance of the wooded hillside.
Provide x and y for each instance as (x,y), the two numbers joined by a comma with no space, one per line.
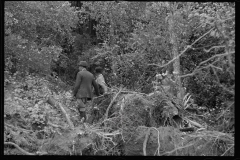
(169,67)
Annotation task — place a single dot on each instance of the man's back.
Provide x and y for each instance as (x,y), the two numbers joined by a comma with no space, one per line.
(84,82)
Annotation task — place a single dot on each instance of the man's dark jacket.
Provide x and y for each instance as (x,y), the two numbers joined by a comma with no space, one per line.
(83,86)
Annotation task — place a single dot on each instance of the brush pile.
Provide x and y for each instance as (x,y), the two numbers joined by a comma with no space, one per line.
(119,123)
(147,126)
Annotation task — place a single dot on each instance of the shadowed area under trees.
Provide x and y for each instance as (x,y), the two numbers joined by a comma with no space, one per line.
(169,68)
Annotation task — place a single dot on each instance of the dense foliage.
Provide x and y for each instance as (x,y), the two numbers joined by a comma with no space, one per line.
(135,43)
(34,33)
(137,36)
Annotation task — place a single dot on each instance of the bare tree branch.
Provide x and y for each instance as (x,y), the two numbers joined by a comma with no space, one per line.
(24,130)
(106,114)
(189,46)
(213,48)
(56,104)
(178,149)
(217,55)
(202,47)
(227,150)
(145,142)
(211,65)
(195,71)
(19,148)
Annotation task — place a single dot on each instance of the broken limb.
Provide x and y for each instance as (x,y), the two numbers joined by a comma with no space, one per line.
(19,148)
(106,114)
(53,102)
(145,141)
(188,47)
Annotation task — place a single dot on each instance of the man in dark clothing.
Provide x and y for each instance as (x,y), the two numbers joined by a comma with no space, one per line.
(83,88)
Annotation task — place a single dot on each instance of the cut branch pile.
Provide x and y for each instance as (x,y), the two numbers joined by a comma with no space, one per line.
(131,124)
(171,142)
(144,134)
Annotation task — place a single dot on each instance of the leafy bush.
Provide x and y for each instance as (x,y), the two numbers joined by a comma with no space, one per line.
(34,32)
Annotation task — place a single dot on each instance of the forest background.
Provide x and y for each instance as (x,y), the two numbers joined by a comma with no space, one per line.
(133,41)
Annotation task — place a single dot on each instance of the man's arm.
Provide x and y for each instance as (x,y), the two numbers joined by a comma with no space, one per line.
(95,87)
(77,84)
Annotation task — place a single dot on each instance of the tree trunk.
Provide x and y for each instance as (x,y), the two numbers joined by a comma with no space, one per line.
(111,36)
(173,40)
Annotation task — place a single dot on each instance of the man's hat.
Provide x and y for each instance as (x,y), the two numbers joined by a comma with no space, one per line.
(83,64)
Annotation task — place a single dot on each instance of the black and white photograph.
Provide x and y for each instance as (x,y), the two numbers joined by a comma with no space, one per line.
(119,78)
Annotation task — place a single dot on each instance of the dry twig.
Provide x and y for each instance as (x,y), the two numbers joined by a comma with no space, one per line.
(19,148)
(53,102)
(178,149)
(158,149)
(212,48)
(147,137)
(145,141)
(194,123)
(227,150)
(106,114)
(24,130)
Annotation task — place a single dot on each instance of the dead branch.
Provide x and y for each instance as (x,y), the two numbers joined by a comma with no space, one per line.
(217,55)
(194,123)
(213,48)
(145,141)
(227,150)
(215,67)
(203,47)
(210,65)
(158,149)
(106,114)
(24,130)
(178,149)
(147,137)
(189,46)
(19,148)
(112,89)
(189,74)
(53,102)
(196,70)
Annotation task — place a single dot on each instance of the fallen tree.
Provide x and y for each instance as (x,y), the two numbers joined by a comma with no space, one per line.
(144,133)
(53,102)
